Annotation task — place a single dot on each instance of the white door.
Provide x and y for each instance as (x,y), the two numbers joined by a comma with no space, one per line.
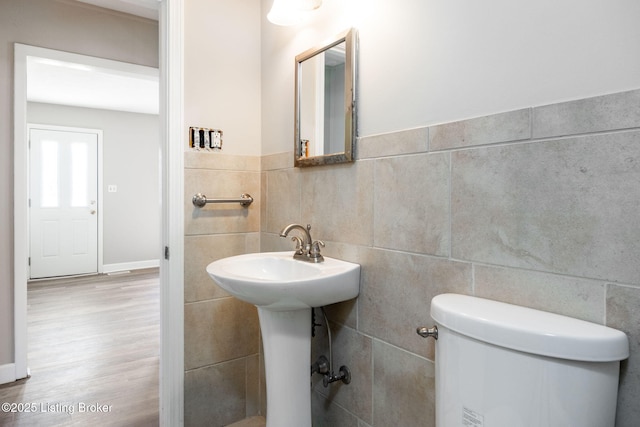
(63,193)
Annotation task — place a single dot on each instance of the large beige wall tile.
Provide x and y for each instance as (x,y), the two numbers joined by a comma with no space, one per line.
(504,127)
(600,113)
(252,242)
(569,296)
(271,242)
(200,251)
(253,384)
(338,203)
(411,204)
(565,206)
(393,144)
(219,330)
(623,313)
(396,291)
(216,160)
(226,217)
(345,313)
(403,389)
(277,161)
(282,199)
(263,197)
(214,396)
(325,414)
(263,382)
(353,350)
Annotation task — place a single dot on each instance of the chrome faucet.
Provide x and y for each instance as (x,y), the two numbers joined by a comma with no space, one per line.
(306,249)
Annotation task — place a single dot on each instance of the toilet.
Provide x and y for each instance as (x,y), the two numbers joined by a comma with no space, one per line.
(502,365)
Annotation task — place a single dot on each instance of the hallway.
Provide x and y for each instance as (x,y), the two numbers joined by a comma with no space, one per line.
(93,353)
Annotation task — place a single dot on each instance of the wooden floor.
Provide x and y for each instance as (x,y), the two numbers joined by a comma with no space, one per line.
(93,353)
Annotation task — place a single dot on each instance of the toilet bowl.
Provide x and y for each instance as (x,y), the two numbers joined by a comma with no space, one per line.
(501,365)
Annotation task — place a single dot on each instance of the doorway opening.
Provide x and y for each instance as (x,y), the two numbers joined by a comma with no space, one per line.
(45,247)
(172,227)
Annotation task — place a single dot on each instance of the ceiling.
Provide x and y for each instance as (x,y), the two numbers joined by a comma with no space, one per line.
(122,88)
(58,82)
(145,8)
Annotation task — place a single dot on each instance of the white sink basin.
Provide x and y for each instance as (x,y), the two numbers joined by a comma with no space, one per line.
(275,281)
(285,290)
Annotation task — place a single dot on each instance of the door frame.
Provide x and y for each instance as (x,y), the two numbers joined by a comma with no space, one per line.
(98,133)
(21,184)
(171,396)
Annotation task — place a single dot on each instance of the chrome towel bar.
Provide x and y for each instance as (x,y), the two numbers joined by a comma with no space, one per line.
(200,200)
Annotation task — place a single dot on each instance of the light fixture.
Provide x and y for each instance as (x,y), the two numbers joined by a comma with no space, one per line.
(292,12)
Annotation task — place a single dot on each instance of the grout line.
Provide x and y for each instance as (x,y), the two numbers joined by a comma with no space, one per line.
(450,206)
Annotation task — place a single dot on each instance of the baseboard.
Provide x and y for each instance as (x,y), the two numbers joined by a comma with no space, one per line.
(136,265)
(7,373)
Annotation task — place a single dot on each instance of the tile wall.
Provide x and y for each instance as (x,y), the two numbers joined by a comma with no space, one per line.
(539,207)
(222,364)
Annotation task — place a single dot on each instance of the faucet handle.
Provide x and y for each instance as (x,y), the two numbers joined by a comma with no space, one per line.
(314,252)
(299,248)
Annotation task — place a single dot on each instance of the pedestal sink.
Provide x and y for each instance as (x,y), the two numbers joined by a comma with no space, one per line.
(284,290)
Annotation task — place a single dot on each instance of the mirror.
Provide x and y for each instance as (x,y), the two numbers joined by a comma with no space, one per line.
(325,121)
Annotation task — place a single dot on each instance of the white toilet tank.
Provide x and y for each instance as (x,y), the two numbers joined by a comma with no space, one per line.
(501,365)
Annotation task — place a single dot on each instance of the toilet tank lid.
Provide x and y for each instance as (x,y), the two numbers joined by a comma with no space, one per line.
(528,330)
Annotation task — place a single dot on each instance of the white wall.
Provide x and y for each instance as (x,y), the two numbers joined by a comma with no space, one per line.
(131,152)
(222,78)
(424,62)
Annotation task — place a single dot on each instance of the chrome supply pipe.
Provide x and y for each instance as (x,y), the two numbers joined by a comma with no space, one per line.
(344,374)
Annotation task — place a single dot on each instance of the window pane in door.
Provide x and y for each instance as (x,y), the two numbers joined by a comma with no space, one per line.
(79,172)
(49,168)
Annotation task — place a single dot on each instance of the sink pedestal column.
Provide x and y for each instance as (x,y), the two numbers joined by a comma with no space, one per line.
(286,339)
